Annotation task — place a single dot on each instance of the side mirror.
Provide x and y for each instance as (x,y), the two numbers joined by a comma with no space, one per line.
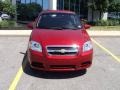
(30,25)
(87,26)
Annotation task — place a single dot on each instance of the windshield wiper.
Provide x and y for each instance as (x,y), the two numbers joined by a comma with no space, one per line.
(56,28)
(63,28)
(60,28)
(72,28)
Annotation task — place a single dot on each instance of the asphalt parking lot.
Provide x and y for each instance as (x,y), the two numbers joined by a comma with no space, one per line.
(104,73)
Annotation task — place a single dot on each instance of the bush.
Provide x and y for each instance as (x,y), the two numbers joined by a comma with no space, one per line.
(6,23)
(102,23)
(28,12)
(11,23)
(92,23)
(113,22)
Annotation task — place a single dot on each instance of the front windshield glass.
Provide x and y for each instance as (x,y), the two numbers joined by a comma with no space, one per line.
(59,21)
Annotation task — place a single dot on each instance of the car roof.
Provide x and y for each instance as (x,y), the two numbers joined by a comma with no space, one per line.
(57,11)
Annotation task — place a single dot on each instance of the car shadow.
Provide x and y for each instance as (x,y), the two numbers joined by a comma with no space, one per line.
(49,75)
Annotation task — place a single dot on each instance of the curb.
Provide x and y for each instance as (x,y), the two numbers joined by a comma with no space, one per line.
(104,33)
(28,32)
(15,32)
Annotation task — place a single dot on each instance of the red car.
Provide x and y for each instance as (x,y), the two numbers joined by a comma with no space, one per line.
(59,42)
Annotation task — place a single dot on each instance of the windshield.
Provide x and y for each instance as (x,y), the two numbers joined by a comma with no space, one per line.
(59,21)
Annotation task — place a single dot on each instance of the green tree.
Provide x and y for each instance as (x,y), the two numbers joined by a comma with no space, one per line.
(6,6)
(1,6)
(114,6)
(28,12)
(100,5)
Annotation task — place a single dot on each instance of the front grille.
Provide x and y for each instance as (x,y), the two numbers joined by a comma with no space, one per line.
(62,66)
(62,50)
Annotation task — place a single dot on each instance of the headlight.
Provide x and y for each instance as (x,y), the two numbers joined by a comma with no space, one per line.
(87,46)
(33,45)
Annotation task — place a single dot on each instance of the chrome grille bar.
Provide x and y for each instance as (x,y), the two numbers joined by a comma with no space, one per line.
(62,49)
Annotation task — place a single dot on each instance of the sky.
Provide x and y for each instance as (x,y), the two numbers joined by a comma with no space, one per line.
(45,2)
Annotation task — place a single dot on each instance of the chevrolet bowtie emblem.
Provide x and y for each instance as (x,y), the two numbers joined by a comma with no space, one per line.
(62,50)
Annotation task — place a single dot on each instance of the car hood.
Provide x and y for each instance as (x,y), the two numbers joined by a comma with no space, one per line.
(59,37)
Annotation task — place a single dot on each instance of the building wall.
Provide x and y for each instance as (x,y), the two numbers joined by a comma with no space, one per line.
(53,5)
(43,3)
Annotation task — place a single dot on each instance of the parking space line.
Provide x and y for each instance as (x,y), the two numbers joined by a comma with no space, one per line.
(18,76)
(16,79)
(106,50)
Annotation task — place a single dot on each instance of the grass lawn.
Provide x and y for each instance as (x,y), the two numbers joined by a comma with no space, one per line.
(105,28)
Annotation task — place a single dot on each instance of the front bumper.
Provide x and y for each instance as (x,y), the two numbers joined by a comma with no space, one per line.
(59,63)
